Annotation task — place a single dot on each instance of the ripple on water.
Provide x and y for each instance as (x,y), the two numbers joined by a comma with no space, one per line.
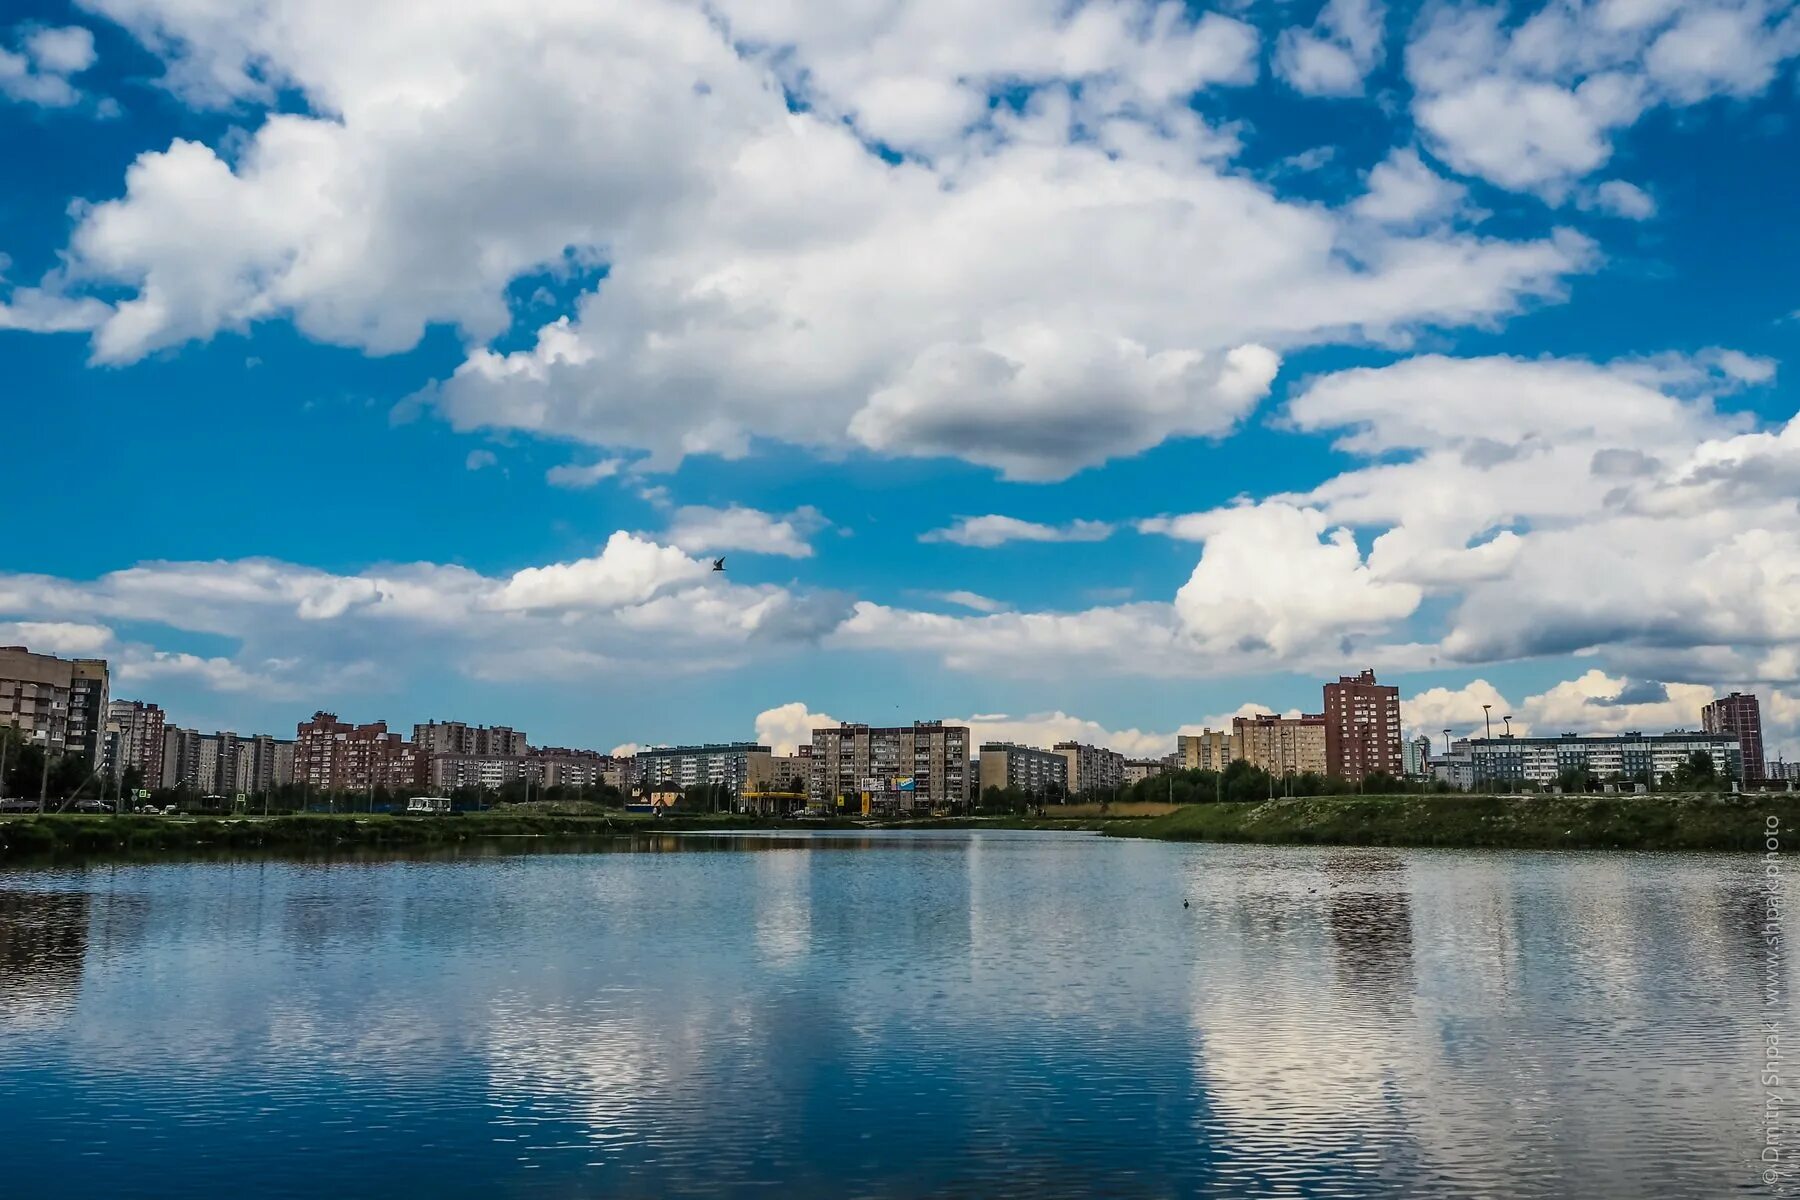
(879,1016)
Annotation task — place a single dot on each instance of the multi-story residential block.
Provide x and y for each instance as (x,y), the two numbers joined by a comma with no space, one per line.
(559,767)
(1139,769)
(734,764)
(1282,745)
(448,772)
(1510,761)
(139,742)
(56,703)
(333,755)
(264,763)
(1362,728)
(900,768)
(620,773)
(1417,756)
(180,759)
(88,703)
(1739,715)
(482,741)
(791,772)
(1034,771)
(1782,772)
(222,763)
(1208,750)
(1092,769)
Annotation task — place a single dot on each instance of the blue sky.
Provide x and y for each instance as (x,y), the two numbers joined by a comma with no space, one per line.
(1446,340)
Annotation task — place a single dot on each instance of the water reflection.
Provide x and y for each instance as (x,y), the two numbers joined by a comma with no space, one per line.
(1368,911)
(851,1014)
(43,944)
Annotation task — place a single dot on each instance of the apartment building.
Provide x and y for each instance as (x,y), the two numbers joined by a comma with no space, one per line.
(1510,761)
(137,729)
(555,766)
(57,703)
(1139,769)
(447,772)
(479,741)
(900,768)
(1092,769)
(88,702)
(263,763)
(333,755)
(1282,745)
(1208,750)
(1362,728)
(734,764)
(1740,716)
(1417,757)
(791,772)
(1032,770)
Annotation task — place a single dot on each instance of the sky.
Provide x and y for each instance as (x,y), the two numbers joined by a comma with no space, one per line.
(1075,368)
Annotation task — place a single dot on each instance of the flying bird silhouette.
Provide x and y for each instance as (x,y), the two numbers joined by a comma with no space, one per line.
(718,564)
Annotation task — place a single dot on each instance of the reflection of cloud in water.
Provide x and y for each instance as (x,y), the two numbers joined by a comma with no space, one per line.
(783,900)
(1526,1024)
(1285,1059)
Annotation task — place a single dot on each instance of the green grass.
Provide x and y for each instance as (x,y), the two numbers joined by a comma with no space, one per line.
(1662,822)
(1692,822)
(91,836)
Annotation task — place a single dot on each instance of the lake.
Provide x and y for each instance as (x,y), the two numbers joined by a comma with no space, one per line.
(934,1013)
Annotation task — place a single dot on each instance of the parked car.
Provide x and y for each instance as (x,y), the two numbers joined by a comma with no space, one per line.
(18,806)
(92,806)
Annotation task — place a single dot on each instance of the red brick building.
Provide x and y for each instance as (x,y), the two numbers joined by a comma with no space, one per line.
(1362,728)
(1740,716)
(333,755)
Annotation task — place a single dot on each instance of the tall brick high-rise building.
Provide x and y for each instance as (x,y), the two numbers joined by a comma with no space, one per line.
(1739,715)
(140,728)
(334,755)
(1362,728)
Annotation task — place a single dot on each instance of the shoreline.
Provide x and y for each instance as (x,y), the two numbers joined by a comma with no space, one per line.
(1704,822)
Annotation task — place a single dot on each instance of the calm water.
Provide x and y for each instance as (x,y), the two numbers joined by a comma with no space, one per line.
(926,1014)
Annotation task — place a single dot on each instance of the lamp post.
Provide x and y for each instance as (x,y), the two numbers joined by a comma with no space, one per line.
(1508,720)
(1487,716)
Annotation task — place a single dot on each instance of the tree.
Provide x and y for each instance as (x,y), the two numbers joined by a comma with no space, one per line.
(1697,772)
(1574,779)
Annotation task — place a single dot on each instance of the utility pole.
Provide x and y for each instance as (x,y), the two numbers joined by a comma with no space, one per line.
(44,782)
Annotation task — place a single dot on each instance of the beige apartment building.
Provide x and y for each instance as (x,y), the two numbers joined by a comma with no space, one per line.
(900,768)
(1092,769)
(55,702)
(1208,750)
(1282,745)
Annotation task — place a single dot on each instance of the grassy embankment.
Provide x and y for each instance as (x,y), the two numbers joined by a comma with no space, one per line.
(1687,822)
(32,836)
(1661,822)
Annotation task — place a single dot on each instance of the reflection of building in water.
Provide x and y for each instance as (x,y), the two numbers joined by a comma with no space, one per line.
(43,944)
(1368,911)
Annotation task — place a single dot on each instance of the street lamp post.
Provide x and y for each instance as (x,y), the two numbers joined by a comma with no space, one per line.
(1508,720)
(1487,715)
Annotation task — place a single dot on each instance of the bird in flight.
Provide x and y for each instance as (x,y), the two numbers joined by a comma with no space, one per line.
(718,564)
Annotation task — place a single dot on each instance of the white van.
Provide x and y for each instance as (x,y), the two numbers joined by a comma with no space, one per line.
(428,804)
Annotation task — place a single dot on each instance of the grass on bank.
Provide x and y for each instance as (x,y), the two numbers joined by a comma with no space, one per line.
(30,835)
(1702,821)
